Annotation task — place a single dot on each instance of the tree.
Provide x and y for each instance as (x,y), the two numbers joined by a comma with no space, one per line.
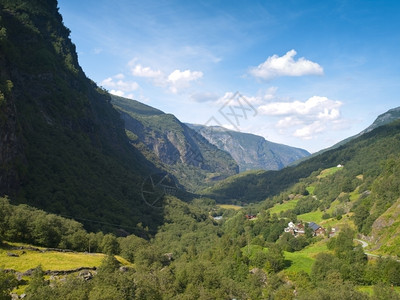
(109,244)
(275,258)
(38,287)
(7,283)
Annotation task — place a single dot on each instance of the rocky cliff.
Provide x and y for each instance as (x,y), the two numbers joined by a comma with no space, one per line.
(63,147)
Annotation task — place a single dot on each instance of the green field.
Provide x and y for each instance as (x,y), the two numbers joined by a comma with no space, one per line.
(329,171)
(230,206)
(310,189)
(303,260)
(314,216)
(277,208)
(51,260)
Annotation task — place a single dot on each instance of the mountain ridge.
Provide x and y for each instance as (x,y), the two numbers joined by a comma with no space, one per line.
(179,149)
(250,151)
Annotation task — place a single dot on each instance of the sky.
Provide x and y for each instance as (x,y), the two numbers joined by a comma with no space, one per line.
(302,73)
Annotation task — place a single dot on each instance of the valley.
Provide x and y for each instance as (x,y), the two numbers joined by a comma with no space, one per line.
(85,212)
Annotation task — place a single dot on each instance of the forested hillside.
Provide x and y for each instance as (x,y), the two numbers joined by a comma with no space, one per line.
(179,149)
(364,155)
(63,146)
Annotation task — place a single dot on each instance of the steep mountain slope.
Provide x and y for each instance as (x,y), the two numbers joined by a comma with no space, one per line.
(63,147)
(251,152)
(180,150)
(363,155)
(385,234)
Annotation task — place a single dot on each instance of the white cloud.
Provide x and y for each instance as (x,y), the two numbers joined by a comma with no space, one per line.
(276,66)
(125,86)
(288,122)
(120,87)
(184,76)
(316,106)
(140,71)
(117,93)
(180,79)
(174,82)
(308,131)
(304,119)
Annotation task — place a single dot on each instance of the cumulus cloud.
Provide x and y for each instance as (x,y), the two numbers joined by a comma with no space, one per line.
(120,87)
(320,107)
(180,79)
(304,119)
(174,82)
(286,65)
(140,71)
(308,131)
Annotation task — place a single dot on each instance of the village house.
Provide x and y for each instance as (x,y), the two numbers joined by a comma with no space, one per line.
(317,230)
(299,229)
(295,229)
(251,217)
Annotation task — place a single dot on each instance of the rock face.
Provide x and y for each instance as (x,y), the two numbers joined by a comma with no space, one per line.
(385,233)
(180,149)
(250,151)
(63,146)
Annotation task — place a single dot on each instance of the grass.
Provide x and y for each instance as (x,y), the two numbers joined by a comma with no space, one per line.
(314,216)
(230,206)
(277,208)
(51,260)
(369,289)
(303,260)
(329,171)
(310,189)
(345,221)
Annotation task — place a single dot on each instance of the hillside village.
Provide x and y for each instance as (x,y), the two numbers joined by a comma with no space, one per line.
(300,228)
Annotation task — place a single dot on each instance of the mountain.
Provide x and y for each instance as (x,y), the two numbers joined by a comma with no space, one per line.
(251,152)
(362,155)
(175,147)
(383,119)
(63,147)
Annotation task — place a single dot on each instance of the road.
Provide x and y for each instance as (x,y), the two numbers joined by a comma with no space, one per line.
(364,244)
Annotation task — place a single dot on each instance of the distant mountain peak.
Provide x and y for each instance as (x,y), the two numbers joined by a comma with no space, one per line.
(383,119)
(250,151)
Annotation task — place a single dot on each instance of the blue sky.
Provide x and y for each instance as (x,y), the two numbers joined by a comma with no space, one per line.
(302,73)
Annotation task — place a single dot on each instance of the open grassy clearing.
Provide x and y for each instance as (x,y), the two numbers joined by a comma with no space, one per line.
(368,289)
(314,216)
(52,260)
(230,206)
(277,208)
(310,189)
(329,171)
(303,260)
(333,222)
